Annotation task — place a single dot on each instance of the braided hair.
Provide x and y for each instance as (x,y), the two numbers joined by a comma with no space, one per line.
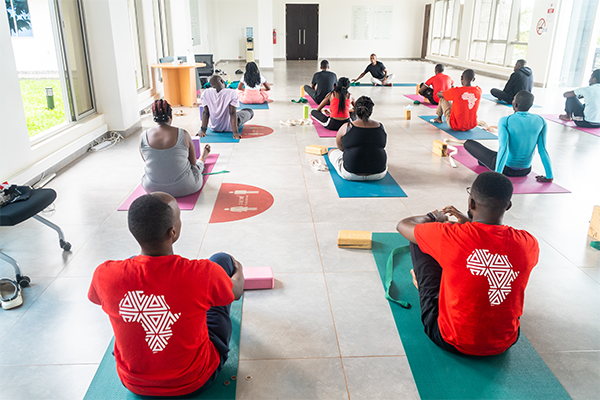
(342,90)
(364,108)
(162,111)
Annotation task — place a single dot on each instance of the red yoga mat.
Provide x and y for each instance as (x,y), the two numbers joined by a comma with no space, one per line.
(185,203)
(522,185)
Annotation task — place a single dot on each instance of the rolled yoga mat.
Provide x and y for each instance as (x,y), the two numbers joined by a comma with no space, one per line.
(185,203)
(386,187)
(107,385)
(519,373)
(571,124)
(501,102)
(522,185)
(474,134)
(421,99)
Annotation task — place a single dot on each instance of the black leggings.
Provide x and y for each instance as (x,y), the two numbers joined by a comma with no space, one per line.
(487,158)
(574,110)
(328,122)
(428,94)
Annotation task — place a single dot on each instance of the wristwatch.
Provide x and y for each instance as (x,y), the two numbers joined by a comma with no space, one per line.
(432,217)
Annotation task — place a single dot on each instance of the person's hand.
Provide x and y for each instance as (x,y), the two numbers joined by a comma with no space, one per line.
(451,210)
(542,178)
(202,133)
(440,95)
(237,266)
(353,80)
(440,216)
(237,135)
(326,112)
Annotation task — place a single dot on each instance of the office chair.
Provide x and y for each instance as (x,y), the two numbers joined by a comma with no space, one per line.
(15,213)
(206,71)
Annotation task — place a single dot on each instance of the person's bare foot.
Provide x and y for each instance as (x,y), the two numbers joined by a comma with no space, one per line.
(205,152)
(412,272)
(438,120)
(564,117)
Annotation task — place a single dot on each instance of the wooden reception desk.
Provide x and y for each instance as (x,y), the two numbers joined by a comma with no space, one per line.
(179,83)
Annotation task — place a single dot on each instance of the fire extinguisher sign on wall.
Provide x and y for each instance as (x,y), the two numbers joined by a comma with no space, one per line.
(274,36)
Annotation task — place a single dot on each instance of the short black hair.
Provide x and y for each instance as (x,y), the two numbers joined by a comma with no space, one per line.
(522,62)
(324,64)
(149,219)
(439,68)
(492,190)
(524,100)
(596,75)
(469,74)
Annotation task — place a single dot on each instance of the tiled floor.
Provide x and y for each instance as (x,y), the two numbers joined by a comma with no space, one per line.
(326,330)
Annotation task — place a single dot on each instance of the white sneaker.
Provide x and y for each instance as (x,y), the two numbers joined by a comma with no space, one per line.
(10,294)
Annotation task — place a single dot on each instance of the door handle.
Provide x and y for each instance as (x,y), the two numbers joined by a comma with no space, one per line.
(299,36)
(304,32)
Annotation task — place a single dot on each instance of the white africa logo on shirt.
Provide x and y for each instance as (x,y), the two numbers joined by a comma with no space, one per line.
(471,98)
(497,269)
(152,312)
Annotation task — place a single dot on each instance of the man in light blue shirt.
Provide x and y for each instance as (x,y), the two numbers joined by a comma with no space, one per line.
(518,136)
(588,115)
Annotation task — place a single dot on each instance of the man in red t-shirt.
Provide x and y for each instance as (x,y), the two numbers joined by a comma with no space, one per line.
(471,275)
(461,114)
(437,83)
(170,315)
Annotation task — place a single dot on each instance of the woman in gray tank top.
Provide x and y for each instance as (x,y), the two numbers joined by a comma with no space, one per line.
(170,157)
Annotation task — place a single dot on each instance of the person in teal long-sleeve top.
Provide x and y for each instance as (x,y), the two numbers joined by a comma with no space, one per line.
(518,136)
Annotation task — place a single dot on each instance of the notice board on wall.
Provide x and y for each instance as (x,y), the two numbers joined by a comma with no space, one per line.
(371,22)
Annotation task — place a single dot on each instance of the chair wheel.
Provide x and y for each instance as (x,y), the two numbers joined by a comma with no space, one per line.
(23,281)
(66,246)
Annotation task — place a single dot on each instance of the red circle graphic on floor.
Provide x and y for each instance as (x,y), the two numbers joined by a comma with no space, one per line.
(236,201)
(251,131)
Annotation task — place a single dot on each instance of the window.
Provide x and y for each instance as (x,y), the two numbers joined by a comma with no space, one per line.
(52,66)
(137,38)
(161,29)
(447,19)
(501,31)
(19,19)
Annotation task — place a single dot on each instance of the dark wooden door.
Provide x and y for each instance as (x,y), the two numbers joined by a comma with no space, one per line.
(426,30)
(302,31)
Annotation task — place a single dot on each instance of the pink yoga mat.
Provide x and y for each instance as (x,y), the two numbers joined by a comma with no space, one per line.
(321,130)
(571,124)
(421,99)
(312,103)
(522,185)
(186,202)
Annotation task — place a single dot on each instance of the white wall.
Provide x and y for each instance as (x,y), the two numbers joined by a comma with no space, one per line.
(539,49)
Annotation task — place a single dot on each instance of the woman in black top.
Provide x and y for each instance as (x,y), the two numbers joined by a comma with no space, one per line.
(360,153)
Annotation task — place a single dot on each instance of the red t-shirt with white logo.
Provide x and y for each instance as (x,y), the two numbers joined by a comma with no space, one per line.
(465,103)
(439,83)
(485,271)
(157,307)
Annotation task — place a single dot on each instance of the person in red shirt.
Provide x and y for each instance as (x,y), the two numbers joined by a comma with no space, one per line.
(471,275)
(170,315)
(437,83)
(461,114)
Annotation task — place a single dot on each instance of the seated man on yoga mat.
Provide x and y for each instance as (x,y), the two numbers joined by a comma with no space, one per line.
(220,109)
(471,275)
(584,115)
(437,83)
(249,88)
(169,156)
(360,153)
(322,83)
(379,74)
(461,114)
(521,79)
(170,315)
(518,136)
(339,100)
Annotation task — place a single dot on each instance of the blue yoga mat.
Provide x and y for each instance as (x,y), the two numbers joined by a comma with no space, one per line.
(261,106)
(220,137)
(502,103)
(393,84)
(518,373)
(473,134)
(386,187)
(107,385)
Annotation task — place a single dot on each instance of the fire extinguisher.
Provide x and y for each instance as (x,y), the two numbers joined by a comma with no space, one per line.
(274,36)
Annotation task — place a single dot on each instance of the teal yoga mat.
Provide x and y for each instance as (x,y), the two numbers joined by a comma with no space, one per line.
(473,134)
(386,187)
(502,103)
(220,137)
(519,373)
(393,84)
(261,106)
(106,383)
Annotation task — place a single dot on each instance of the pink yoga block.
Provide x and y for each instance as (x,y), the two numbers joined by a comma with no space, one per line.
(258,278)
(196,140)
